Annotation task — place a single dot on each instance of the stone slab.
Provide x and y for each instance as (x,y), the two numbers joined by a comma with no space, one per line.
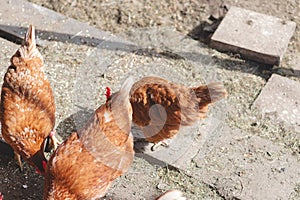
(295,64)
(53,26)
(8,48)
(181,150)
(243,166)
(255,36)
(6,51)
(281,96)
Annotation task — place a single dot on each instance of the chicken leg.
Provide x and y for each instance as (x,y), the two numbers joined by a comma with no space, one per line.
(18,158)
(165,143)
(54,140)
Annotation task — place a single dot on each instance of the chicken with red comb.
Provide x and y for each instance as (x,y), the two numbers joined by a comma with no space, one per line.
(27,109)
(84,166)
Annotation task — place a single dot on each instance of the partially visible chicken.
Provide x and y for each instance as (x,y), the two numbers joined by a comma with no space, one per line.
(27,109)
(171,195)
(161,107)
(84,166)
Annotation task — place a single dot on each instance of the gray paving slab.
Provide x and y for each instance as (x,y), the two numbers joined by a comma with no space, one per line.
(54,26)
(181,150)
(255,36)
(7,50)
(244,166)
(295,64)
(281,96)
(292,67)
(140,174)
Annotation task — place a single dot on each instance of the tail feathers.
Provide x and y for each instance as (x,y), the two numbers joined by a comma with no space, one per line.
(210,93)
(126,87)
(122,96)
(172,195)
(28,48)
(121,107)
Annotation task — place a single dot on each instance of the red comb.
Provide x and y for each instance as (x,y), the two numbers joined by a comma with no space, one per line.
(108,92)
(52,133)
(36,171)
(1,196)
(44,163)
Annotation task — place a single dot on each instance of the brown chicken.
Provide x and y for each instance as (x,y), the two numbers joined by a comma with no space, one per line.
(84,166)
(161,107)
(27,107)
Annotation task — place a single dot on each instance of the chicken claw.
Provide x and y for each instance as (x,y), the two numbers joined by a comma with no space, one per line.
(55,141)
(18,158)
(165,143)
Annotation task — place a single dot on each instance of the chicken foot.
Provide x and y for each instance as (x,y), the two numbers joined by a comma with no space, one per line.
(18,158)
(165,143)
(54,140)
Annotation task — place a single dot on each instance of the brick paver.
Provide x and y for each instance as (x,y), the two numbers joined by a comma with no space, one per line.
(255,36)
(281,96)
(244,166)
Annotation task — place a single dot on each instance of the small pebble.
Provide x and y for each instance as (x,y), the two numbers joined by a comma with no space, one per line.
(161,186)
